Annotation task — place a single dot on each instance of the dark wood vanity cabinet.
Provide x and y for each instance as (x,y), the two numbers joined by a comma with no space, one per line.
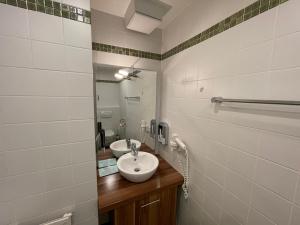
(157,208)
(152,202)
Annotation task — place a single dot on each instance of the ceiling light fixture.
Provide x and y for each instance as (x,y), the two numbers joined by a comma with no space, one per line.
(123,72)
(145,15)
(119,76)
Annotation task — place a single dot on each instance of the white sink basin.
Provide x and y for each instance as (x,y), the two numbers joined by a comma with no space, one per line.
(119,148)
(138,170)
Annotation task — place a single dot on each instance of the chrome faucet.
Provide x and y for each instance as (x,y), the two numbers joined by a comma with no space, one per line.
(134,150)
(128,142)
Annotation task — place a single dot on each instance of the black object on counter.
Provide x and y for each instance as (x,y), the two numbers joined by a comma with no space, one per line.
(102,134)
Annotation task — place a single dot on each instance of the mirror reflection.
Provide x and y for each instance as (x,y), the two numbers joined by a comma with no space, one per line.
(125,107)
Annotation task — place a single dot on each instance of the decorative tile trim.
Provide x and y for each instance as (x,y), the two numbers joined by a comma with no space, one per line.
(243,15)
(52,8)
(125,51)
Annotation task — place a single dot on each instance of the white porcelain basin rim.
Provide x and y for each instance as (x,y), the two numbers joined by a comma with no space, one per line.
(141,154)
(120,147)
(138,170)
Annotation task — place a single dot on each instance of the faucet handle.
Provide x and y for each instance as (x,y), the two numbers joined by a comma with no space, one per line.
(133,146)
(134,150)
(128,143)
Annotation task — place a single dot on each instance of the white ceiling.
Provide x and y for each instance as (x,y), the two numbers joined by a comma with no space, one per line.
(118,8)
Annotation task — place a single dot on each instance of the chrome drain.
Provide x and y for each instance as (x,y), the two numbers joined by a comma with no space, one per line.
(137,169)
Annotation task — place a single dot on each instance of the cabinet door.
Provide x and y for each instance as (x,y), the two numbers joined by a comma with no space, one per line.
(147,210)
(157,208)
(124,215)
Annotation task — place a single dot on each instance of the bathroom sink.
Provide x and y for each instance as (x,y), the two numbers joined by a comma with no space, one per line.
(119,148)
(137,169)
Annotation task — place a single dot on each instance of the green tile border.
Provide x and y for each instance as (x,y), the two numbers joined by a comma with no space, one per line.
(77,14)
(125,51)
(53,8)
(243,15)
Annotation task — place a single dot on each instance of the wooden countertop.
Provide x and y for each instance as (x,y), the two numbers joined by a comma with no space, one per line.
(114,190)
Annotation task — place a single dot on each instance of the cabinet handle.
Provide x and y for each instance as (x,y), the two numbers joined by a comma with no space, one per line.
(150,203)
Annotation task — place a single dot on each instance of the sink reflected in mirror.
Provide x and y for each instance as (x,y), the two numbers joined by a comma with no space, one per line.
(125,105)
(120,147)
(137,169)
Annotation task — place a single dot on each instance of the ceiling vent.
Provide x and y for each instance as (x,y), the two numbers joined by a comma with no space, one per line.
(145,15)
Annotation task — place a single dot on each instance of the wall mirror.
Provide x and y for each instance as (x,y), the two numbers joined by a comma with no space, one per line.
(125,107)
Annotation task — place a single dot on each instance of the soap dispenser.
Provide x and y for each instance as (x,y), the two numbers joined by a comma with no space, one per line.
(163,133)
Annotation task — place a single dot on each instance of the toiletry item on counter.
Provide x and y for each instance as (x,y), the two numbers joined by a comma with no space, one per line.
(102,134)
(107,162)
(107,167)
(104,171)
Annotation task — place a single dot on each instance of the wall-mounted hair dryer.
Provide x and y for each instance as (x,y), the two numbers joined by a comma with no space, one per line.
(177,144)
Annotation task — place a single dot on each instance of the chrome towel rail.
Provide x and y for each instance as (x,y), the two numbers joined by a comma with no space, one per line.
(255,101)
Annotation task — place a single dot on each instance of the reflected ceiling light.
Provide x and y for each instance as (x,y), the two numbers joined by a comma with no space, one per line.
(123,72)
(119,76)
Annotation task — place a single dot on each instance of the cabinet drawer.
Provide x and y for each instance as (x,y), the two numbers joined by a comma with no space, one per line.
(157,208)
(147,210)
(149,199)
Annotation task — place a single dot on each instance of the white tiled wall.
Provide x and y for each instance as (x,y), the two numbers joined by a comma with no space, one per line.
(47,150)
(110,29)
(245,159)
(109,100)
(134,112)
